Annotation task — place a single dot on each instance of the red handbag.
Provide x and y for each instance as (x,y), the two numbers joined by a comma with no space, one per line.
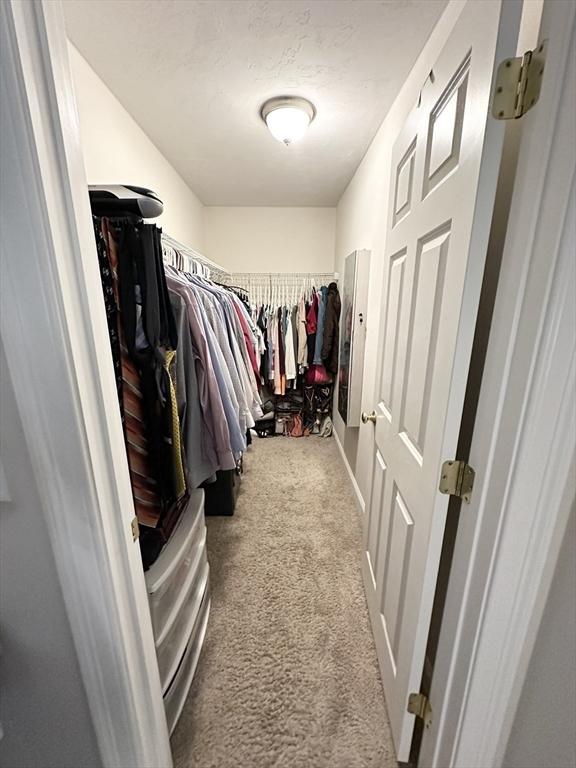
(317,374)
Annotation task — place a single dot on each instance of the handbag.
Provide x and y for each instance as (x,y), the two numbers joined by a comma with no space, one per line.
(297,427)
(317,374)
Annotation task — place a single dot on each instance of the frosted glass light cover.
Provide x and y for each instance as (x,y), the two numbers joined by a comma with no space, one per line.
(287,124)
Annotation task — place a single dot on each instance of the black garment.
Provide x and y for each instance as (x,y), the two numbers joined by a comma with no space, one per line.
(150,329)
(142,328)
(331,334)
(281,345)
(311,348)
(294,320)
(263,325)
(111,308)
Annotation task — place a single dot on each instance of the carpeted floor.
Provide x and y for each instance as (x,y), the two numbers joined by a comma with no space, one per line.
(288,676)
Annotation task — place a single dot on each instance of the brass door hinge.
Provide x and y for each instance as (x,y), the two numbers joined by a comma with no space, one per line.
(457,479)
(135,529)
(419,705)
(518,83)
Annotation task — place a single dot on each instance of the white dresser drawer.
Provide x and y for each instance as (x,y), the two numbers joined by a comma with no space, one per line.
(168,576)
(171,644)
(176,694)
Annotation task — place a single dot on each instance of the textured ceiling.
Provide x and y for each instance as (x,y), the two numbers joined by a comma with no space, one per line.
(194,75)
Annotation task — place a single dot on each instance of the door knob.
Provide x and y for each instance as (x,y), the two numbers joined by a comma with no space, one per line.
(366,417)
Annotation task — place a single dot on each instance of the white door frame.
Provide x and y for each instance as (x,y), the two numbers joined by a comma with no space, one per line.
(523,447)
(53,320)
(55,336)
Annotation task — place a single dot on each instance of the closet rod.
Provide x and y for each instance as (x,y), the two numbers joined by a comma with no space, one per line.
(283,275)
(193,254)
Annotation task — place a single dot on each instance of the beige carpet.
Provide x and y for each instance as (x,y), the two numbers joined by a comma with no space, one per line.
(288,676)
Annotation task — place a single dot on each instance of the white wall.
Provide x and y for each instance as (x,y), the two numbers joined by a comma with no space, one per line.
(271,239)
(243,239)
(361,223)
(116,150)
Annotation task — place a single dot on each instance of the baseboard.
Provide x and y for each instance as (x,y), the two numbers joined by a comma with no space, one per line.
(357,492)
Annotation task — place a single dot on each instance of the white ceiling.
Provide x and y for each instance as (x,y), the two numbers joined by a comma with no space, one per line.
(194,74)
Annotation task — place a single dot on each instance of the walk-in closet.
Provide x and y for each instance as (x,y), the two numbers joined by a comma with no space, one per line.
(287,384)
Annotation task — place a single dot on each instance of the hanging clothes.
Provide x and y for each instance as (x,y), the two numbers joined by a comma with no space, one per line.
(287,339)
(293,334)
(331,331)
(322,294)
(200,467)
(302,335)
(185,354)
(291,371)
(224,339)
(311,328)
(279,362)
(229,346)
(143,338)
(146,500)
(216,439)
(294,324)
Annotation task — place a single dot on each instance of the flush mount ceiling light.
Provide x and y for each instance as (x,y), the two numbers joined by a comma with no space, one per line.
(288,117)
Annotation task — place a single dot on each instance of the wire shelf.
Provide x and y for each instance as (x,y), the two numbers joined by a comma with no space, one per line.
(189,260)
(279,288)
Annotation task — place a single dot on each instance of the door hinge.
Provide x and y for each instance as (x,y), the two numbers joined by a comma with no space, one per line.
(135,529)
(419,705)
(518,83)
(457,479)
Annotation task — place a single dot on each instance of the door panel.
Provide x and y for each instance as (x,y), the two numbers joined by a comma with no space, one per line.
(428,289)
(445,130)
(404,184)
(378,485)
(398,557)
(392,326)
(443,180)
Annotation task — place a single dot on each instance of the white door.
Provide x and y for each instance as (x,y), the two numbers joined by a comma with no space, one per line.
(443,179)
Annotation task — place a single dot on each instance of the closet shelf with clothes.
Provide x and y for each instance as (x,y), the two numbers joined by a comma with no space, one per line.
(298,326)
(187,373)
(185,357)
(145,340)
(273,288)
(189,260)
(219,343)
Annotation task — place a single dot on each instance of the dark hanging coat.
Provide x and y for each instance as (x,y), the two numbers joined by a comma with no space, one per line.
(331,330)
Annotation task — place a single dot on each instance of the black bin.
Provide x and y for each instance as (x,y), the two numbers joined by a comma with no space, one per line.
(221,495)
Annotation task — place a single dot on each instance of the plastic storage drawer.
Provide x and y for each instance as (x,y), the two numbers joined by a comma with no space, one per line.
(167,576)
(171,644)
(178,691)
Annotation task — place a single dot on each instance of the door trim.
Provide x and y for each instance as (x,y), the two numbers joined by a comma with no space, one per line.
(55,336)
(357,492)
(523,445)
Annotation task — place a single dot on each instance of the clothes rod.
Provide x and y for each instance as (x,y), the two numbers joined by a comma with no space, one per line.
(283,275)
(193,254)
